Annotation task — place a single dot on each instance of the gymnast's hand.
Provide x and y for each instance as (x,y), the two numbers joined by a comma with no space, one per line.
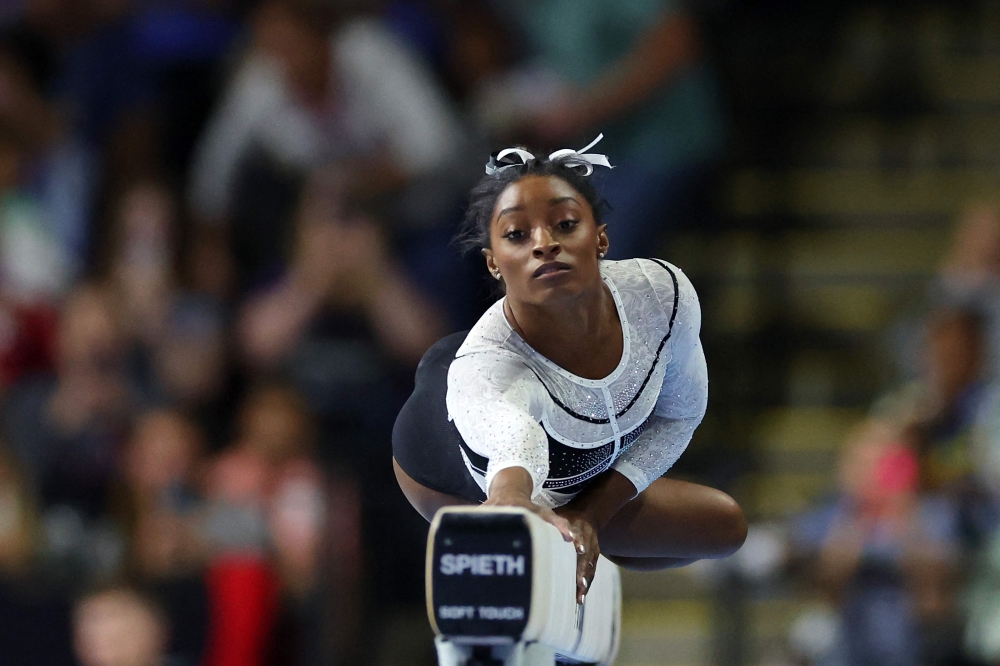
(584,532)
(587,515)
(512,487)
(579,521)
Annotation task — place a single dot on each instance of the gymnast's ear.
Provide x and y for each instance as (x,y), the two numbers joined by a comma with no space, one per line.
(603,242)
(491,263)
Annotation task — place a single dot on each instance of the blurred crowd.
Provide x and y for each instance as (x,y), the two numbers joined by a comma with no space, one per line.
(906,555)
(225,243)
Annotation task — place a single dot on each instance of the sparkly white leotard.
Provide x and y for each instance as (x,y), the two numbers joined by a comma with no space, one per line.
(514,407)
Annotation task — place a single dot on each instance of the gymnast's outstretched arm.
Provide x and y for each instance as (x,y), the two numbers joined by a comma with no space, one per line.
(671,523)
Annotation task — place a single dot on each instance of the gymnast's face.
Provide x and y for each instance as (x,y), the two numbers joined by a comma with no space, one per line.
(544,241)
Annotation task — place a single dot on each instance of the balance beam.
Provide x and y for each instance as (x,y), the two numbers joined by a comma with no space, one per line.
(501,590)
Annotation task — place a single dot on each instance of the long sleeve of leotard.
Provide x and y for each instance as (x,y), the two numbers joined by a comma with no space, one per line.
(683,397)
(493,400)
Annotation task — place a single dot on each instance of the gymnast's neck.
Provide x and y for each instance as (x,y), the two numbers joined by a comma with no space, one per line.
(580,332)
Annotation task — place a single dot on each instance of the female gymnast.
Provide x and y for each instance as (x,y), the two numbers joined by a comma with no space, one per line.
(576,391)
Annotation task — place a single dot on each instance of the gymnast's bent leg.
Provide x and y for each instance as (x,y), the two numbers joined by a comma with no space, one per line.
(670,524)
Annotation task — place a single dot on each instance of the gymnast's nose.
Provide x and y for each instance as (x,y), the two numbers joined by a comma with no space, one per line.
(545,247)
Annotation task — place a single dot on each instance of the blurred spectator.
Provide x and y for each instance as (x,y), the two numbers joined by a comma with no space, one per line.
(944,412)
(970,273)
(180,43)
(341,264)
(191,360)
(18,523)
(974,256)
(341,324)
(39,237)
(633,71)
(132,83)
(982,604)
(119,627)
(62,40)
(910,506)
(478,49)
(162,468)
(122,65)
(954,388)
(276,474)
(180,337)
(142,261)
(324,88)
(886,555)
(270,505)
(27,340)
(37,247)
(67,428)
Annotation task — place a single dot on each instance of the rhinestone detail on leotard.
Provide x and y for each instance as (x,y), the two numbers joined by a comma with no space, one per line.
(515,407)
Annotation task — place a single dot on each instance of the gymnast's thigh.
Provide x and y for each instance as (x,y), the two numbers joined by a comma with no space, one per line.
(675,519)
(426,446)
(426,500)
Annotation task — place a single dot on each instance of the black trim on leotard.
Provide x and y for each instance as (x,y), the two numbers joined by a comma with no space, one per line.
(429,447)
(670,329)
(565,460)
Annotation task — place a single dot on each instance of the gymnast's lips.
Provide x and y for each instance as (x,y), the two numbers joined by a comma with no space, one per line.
(551,267)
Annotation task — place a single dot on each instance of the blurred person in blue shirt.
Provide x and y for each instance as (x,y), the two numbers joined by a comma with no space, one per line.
(130,84)
(886,555)
(945,410)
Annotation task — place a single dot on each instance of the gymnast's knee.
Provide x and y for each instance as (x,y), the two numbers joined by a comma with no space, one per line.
(723,531)
(732,527)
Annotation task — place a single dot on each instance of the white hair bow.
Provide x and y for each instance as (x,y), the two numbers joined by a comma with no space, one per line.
(514,157)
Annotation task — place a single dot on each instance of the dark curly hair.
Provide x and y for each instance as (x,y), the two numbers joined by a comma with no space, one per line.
(474,233)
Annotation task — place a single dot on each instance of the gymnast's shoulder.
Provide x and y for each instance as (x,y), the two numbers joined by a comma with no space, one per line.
(486,366)
(490,361)
(657,278)
(491,334)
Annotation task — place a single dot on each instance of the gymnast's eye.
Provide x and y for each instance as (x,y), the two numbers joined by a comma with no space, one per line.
(566,225)
(514,234)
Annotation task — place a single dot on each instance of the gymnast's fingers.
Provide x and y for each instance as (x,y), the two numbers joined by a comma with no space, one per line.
(587,551)
(560,523)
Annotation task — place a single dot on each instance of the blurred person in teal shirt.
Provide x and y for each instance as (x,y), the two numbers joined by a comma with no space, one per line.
(634,71)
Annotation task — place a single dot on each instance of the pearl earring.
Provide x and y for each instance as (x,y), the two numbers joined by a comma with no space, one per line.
(600,255)
(496,275)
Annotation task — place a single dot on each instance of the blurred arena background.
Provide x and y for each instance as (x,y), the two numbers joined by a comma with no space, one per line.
(225,242)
